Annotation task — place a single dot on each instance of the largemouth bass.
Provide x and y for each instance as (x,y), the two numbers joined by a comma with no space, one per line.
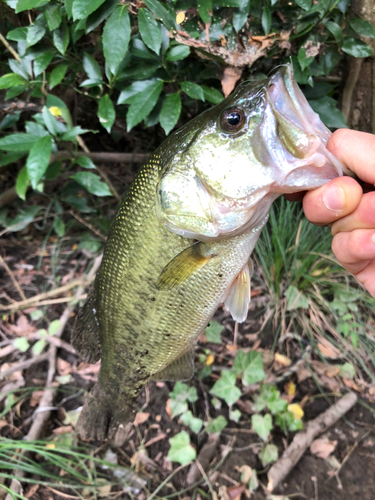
(180,242)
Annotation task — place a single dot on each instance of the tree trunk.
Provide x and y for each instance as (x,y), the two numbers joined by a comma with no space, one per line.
(358,98)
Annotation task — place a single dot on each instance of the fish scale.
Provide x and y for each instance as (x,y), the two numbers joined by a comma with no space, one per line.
(181,239)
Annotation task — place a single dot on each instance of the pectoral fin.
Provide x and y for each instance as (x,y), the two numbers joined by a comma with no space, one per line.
(86,334)
(180,369)
(183,266)
(238,296)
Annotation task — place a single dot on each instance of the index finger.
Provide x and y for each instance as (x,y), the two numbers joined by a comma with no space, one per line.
(356,150)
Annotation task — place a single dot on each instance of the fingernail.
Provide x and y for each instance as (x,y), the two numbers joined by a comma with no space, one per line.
(334,198)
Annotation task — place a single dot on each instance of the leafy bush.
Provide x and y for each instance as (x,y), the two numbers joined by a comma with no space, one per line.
(153,63)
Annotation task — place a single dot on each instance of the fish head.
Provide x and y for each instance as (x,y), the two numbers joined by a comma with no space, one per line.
(225,167)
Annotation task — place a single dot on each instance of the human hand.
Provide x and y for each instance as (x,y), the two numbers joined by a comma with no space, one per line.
(342,204)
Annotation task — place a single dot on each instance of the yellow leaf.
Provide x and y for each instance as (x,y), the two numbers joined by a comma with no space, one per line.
(75,246)
(283,360)
(290,388)
(50,446)
(55,111)
(296,410)
(180,18)
(210,359)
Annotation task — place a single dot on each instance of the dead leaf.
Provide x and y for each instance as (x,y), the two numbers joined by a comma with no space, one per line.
(328,350)
(323,447)
(32,490)
(64,429)
(63,367)
(235,492)
(232,347)
(155,439)
(246,473)
(36,396)
(168,408)
(230,78)
(303,374)
(352,385)
(210,359)
(282,360)
(141,418)
(290,388)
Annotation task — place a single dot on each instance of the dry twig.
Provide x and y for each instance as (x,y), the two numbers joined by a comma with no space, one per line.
(12,277)
(303,439)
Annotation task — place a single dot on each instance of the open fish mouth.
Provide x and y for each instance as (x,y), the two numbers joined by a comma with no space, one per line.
(301,130)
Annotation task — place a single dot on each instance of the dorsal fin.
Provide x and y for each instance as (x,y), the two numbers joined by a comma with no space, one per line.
(238,296)
(182,266)
(85,335)
(180,369)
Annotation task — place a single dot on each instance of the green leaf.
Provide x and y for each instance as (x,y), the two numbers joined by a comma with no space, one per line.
(116,37)
(295,298)
(71,134)
(106,112)
(22,183)
(128,95)
(23,218)
(304,61)
(59,226)
(362,27)
(178,52)
(42,61)
(12,80)
(57,74)
(262,425)
(53,171)
(21,343)
(38,159)
(269,396)
(61,38)
(225,388)
(179,397)
(7,158)
(17,35)
(254,369)
(100,15)
(304,4)
(149,30)
(88,242)
(336,31)
(170,112)
(266,20)
(194,423)
(92,68)
(287,422)
(213,332)
(162,12)
(356,48)
(85,162)
(83,8)
(205,10)
(52,14)
(55,324)
(192,90)
(38,347)
(139,49)
(50,121)
(143,103)
(235,415)
(27,5)
(18,142)
(35,32)
(329,114)
(92,183)
(269,453)
(216,425)
(181,450)
(140,71)
(347,370)
(239,19)
(212,95)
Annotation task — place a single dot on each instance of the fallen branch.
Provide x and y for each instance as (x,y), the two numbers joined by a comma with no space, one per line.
(303,439)
(84,281)
(204,458)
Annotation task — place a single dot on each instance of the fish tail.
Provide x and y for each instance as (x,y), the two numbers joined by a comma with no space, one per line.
(105,416)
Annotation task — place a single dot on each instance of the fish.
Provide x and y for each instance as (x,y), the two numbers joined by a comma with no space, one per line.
(180,242)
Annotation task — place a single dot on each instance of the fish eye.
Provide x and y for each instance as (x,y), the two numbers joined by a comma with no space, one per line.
(232,120)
